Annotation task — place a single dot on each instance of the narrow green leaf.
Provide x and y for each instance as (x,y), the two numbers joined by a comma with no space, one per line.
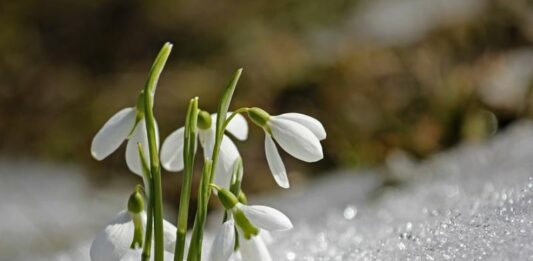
(189,151)
(155,168)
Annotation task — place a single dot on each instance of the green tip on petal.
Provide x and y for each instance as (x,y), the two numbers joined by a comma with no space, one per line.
(244,223)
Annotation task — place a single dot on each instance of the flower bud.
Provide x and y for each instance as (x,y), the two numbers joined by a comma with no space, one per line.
(204,120)
(258,116)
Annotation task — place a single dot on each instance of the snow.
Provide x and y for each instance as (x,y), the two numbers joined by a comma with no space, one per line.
(473,202)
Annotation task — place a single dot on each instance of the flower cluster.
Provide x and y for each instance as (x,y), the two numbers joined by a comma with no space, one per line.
(244,232)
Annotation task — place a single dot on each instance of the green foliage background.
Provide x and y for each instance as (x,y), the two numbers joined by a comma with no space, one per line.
(67,66)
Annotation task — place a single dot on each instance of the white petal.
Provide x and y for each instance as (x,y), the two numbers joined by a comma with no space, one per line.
(226,160)
(113,133)
(113,243)
(266,217)
(266,236)
(224,242)
(296,139)
(169,235)
(132,153)
(275,163)
(172,151)
(238,127)
(135,255)
(307,121)
(207,140)
(254,249)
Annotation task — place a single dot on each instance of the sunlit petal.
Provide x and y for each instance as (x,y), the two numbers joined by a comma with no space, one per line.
(296,139)
(132,154)
(113,133)
(169,235)
(238,127)
(113,243)
(307,121)
(172,151)
(224,242)
(275,163)
(266,217)
(227,157)
(207,140)
(254,249)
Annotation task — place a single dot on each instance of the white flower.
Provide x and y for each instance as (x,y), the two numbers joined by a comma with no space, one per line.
(253,248)
(296,133)
(172,148)
(114,241)
(117,129)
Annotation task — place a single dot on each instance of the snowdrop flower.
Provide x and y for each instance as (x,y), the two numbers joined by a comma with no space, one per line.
(253,249)
(296,133)
(252,222)
(128,124)
(172,149)
(251,218)
(125,233)
(113,243)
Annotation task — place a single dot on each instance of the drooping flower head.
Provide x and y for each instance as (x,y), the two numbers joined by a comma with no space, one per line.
(172,148)
(128,123)
(251,222)
(122,238)
(296,133)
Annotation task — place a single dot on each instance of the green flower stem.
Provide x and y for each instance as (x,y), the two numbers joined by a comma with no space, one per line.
(147,248)
(195,249)
(233,114)
(155,168)
(188,158)
(205,193)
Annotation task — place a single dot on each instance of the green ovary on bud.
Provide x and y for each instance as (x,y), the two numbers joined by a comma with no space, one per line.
(227,198)
(246,226)
(136,201)
(204,120)
(258,116)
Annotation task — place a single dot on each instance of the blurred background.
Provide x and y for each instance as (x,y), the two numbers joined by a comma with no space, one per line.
(389,79)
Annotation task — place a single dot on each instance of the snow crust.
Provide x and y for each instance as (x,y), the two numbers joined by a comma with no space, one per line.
(473,202)
(470,203)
